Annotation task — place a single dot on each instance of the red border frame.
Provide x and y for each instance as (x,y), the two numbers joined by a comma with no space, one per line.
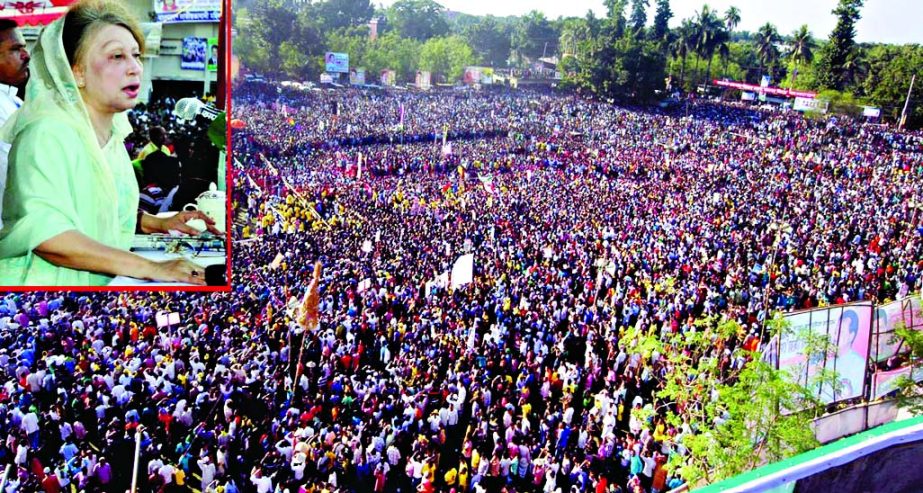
(224,93)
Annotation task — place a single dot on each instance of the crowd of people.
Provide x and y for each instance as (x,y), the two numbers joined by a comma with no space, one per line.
(584,220)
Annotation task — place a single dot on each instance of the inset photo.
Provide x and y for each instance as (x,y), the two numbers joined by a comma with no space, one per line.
(113,144)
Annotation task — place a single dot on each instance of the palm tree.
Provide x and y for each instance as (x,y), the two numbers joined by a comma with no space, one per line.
(682,44)
(767,53)
(724,52)
(573,32)
(802,49)
(856,67)
(710,34)
(732,18)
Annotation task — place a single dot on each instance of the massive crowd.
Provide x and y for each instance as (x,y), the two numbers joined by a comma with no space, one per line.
(584,219)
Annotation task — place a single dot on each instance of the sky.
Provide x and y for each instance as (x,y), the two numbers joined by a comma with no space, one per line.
(883,21)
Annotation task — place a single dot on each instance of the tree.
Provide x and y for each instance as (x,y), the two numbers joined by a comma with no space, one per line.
(272,21)
(661,29)
(335,14)
(910,392)
(802,48)
(393,52)
(765,43)
(724,53)
(732,18)
(831,70)
(638,16)
(616,16)
(621,66)
(293,60)
(683,44)
(250,46)
(573,32)
(534,36)
(418,19)
(447,56)
(490,41)
(709,35)
(890,69)
(855,69)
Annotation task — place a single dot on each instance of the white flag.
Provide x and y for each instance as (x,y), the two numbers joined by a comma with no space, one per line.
(463,270)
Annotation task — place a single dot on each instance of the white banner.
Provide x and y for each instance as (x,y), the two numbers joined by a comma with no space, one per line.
(807,104)
(463,270)
(179,11)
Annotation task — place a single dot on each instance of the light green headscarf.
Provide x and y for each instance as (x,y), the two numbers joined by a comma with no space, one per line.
(94,192)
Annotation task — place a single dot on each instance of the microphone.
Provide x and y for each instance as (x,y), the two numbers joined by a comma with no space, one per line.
(189,108)
(216,275)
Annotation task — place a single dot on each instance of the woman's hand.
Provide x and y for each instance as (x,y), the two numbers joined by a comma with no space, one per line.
(177,222)
(177,270)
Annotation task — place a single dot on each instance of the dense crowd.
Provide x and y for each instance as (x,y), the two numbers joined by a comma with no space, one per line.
(584,220)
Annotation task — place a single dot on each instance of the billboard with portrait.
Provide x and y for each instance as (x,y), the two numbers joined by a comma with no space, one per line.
(423,79)
(194,53)
(357,76)
(472,75)
(213,54)
(336,62)
(180,11)
(848,329)
(388,77)
(888,317)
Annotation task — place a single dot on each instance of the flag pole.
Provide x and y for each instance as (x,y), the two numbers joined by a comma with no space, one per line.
(906,104)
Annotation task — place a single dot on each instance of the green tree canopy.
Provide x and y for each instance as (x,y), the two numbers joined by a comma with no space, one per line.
(490,40)
(831,69)
(534,35)
(418,19)
(446,56)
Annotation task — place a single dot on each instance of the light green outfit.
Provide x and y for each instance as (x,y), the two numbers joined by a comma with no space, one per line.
(59,178)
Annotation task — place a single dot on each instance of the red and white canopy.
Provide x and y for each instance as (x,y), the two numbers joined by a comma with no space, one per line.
(33,12)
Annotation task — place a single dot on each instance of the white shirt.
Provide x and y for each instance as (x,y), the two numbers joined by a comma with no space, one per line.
(9,103)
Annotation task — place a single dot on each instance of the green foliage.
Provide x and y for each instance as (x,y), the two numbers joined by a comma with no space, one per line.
(447,56)
(251,47)
(534,36)
(574,31)
(843,102)
(337,14)
(638,16)
(354,41)
(831,69)
(732,18)
(418,19)
(910,393)
(889,71)
(627,68)
(660,30)
(765,44)
(293,60)
(708,35)
(391,51)
(490,40)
